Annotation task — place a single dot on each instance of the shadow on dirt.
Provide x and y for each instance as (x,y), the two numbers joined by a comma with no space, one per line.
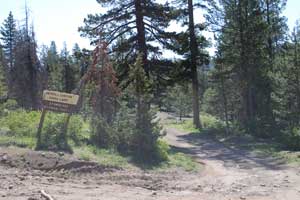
(207,147)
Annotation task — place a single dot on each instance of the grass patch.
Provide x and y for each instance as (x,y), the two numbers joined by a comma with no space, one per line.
(276,150)
(262,147)
(102,156)
(290,157)
(24,142)
(175,160)
(184,125)
(209,123)
(183,161)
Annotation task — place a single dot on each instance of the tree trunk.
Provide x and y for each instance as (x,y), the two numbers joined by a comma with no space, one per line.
(194,53)
(225,104)
(142,106)
(142,47)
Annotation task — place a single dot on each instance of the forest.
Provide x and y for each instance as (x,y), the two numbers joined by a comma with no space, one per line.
(220,113)
(251,84)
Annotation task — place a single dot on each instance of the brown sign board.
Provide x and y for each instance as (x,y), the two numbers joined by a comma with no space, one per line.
(59,101)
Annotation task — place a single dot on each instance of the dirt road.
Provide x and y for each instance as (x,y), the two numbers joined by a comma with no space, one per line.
(229,174)
(235,173)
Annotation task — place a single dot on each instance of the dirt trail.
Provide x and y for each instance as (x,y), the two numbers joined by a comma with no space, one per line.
(235,173)
(229,174)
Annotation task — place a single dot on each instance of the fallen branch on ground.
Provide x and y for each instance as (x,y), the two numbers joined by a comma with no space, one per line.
(47,196)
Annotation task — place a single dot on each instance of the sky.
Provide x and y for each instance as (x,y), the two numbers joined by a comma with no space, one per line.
(58,20)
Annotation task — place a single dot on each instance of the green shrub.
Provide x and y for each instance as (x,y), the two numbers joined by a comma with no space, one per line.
(145,139)
(162,148)
(291,139)
(10,104)
(23,142)
(103,135)
(124,127)
(211,122)
(23,124)
(20,123)
(78,130)
(52,136)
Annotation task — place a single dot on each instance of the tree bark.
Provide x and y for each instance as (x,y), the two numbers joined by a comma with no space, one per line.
(194,53)
(225,104)
(142,106)
(142,47)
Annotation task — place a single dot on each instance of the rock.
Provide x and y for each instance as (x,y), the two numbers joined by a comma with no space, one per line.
(154,193)
(10,187)
(43,154)
(4,158)
(50,179)
(2,194)
(243,198)
(40,164)
(22,178)
(61,154)
(263,185)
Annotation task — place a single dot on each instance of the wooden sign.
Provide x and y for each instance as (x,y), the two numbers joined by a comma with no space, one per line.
(59,101)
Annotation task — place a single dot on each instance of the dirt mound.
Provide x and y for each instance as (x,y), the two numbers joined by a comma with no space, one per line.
(49,161)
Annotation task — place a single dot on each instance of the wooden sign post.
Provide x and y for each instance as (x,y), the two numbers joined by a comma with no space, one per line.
(56,102)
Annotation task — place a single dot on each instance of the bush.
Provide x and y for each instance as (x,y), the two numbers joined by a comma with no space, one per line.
(145,139)
(124,127)
(103,135)
(52,136)
(78,130)
(211,122)
(20,123)
(291,139)
(23,124)
(8,106)
(162,148)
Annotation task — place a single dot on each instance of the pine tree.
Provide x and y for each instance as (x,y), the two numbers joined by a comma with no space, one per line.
(147,131)
(131,28)
(3,82)
(288,81)
(191,44)
(179,99)
(80,61)
(24,74)
(250,34)
(54,68)
(68,70)
(105,92)
(8,36)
